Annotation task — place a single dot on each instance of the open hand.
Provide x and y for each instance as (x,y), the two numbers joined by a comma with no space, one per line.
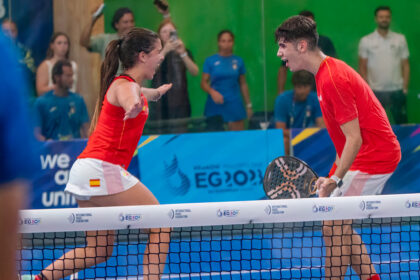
(179,46)
(134,110)
(217,97)
(160,91)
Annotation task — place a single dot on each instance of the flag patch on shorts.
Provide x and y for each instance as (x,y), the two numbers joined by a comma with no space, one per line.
(94,183)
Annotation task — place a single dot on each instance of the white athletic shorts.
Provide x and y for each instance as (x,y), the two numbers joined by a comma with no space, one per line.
(357,183)
(93,177)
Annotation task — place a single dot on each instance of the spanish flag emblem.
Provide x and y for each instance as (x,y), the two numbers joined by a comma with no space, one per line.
(94,183)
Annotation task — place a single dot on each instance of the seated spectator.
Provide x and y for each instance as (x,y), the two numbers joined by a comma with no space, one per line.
(178,60)
(224,80)
(26,60)
(298,108)
(59,49)
(62,113)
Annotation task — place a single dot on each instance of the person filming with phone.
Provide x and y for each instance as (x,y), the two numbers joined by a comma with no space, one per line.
(178,61)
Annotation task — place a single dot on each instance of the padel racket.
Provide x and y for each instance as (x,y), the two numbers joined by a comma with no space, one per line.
(289,177)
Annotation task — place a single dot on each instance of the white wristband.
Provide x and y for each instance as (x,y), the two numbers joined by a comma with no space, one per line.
(249,105)
(182,55)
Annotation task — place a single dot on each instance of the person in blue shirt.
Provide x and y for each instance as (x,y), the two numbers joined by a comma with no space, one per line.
(17,150)
(298,108)
(62,113)
(224,80)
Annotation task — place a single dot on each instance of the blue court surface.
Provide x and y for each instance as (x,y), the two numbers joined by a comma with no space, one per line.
(251,254)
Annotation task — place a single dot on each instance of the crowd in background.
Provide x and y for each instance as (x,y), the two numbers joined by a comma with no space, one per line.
(62,112)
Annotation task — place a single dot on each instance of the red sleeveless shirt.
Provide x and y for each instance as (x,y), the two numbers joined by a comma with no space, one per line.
(115,140)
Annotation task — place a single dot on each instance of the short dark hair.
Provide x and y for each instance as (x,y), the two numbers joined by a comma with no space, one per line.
(302,78)
(58,68)
(298,27)
(119,14)
(225,31)
(382,8)
(307,13)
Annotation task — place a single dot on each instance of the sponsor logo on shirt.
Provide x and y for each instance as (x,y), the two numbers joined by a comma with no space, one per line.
(217,63)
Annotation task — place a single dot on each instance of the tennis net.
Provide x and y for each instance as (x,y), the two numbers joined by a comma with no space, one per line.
(268,239)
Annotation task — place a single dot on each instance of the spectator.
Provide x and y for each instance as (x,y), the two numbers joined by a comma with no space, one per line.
(122,22)
(59,49)
(62,113)
(178,60)
(26,60)
(383,63)
(324,43)
(298,108)
(224,80)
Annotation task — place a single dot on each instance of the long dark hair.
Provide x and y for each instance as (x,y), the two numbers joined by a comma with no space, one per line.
(50,52)
(125,50)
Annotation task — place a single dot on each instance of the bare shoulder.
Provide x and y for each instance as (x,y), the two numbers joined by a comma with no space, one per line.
(121,88)
(43,66)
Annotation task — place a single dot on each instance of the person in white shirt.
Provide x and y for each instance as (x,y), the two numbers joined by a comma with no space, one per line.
(383,63)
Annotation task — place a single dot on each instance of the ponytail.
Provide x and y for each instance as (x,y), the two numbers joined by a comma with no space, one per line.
(125,50)
(109,69)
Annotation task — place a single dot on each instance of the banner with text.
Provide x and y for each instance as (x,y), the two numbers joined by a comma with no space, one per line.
(56,159)
(195,167)
(208,167)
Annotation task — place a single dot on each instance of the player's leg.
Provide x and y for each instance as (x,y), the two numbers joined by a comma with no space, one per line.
(99,244)
(337,239)
(99,248)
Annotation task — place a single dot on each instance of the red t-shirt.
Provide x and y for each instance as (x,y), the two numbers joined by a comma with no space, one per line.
(344,96)
(115,140)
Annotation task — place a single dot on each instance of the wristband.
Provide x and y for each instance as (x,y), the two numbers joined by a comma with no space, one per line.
(168,15)
(337,180)
(249,105)
(182,55)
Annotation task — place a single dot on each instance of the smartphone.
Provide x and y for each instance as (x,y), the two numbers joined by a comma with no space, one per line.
(173,35)
(161,5)
(99,11)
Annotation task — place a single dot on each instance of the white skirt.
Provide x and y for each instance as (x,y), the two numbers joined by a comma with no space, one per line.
(93,177)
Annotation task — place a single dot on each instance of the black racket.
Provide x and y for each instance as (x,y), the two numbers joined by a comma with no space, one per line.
(289,177)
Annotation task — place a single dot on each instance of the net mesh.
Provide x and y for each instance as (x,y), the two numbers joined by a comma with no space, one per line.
(249,240)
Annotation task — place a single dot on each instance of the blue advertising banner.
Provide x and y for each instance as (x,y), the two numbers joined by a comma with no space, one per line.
(208,167)
(56,159)
(196,167)
(314,146)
